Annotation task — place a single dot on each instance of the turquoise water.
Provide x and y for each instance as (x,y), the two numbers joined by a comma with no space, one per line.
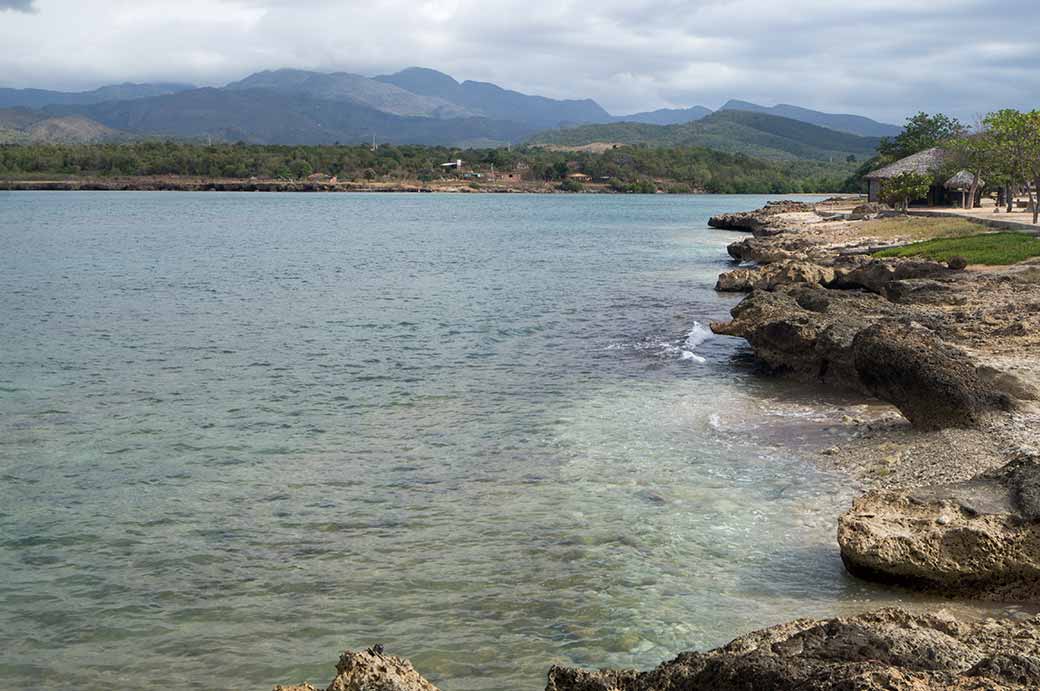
(239,433)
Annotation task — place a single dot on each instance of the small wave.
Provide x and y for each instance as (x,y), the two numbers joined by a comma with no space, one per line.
(684,351)
(698,334)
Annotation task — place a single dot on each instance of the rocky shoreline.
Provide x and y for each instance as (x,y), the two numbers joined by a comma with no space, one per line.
(951,469)
(956,475)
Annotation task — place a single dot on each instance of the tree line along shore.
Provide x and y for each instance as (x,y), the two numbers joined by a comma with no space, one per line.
(625,169)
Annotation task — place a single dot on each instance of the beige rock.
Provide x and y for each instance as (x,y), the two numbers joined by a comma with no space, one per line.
(771,276)
(890,650)
(370,670)
(978,539)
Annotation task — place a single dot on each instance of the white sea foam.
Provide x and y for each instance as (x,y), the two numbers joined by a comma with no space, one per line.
(684,351)
(697,335)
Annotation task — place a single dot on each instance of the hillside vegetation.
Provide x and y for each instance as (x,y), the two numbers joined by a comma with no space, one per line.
(23,126)
(739,132)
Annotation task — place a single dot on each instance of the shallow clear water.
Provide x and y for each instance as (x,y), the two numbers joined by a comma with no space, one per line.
(239,433)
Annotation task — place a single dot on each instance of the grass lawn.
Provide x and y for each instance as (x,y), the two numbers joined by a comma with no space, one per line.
(920,228)
(987,248)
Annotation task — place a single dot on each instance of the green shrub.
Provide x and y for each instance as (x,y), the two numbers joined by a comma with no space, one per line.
(904,188)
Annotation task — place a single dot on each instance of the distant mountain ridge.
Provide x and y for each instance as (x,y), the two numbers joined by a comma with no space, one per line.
(667,116)
(38,98)
(352,88)
(263,116)
(492,101)
(414,105)
(853,124)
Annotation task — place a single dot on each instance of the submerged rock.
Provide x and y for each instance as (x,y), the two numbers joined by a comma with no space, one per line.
(977,539)
(371,670)
(885,650)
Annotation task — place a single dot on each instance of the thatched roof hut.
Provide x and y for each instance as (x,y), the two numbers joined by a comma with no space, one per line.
(925,162)
(963,181)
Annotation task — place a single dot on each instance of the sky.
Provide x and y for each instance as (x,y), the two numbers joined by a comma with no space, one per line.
(885,59)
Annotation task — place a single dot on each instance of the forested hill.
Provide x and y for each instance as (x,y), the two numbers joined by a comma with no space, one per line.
(732,131)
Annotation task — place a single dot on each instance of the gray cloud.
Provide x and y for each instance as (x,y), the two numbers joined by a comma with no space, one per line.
(882,58)
(17,5)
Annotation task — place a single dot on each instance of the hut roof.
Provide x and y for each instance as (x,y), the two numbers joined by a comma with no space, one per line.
(924,162)
(962,181)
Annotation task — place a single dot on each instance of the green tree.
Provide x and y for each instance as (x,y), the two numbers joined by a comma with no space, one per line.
(902,189)
(1014,143)
(922,131)
(976,154)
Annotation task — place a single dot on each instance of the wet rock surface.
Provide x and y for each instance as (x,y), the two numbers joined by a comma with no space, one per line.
(889,649)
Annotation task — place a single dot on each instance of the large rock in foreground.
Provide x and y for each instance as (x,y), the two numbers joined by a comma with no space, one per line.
(371,670)
(889,650)
(863,341)
(933,384)
(977,539)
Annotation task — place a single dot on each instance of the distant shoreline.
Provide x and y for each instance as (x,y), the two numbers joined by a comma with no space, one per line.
(186,184)
(189,184)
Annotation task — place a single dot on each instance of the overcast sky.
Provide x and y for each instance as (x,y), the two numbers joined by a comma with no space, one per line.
(881,58)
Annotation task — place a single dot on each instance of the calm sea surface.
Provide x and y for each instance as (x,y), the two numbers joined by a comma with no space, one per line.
(239,433)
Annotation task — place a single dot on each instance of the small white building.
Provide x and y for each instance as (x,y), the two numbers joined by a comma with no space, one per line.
(456,164)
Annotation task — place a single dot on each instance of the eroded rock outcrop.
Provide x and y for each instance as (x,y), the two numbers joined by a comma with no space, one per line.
(932,383)
(878,274)
(889,650)
(862,341)
(773,275)
(977,539)
(762,222)
(371,670)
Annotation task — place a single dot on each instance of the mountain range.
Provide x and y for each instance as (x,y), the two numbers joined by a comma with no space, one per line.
(414,106)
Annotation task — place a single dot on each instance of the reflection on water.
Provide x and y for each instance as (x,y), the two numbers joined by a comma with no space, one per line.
(239,433)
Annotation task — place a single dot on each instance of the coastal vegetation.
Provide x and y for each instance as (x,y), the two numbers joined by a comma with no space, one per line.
(738,132)
(1001,152)
(898,191)
(622,169)
(994,249)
